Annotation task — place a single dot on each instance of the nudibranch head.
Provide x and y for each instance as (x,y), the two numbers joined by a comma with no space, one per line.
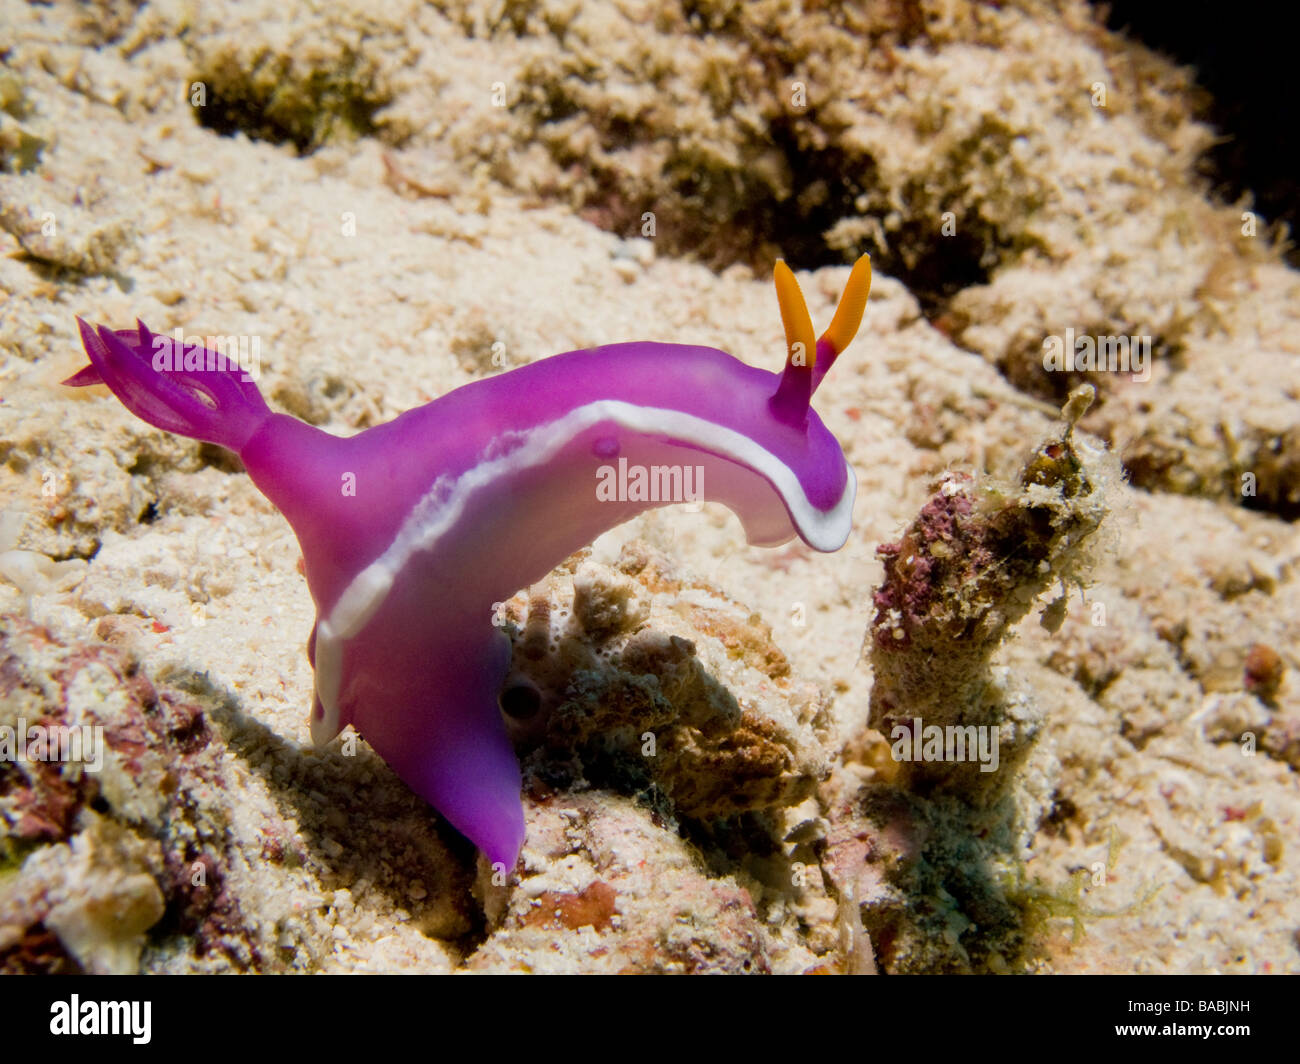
(412,530)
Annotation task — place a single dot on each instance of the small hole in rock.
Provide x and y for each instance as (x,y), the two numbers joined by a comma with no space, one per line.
(521,701)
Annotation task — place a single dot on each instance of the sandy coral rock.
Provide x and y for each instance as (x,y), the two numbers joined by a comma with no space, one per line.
(300,76)
(106,907)
(98,893)
(606,605)
(32,572)
(324,854)
(1215,428)
(68,236)
(21,134)
(686,691)
(1280,737)
(738,145)
(967,568)
(930,848)
(728,120)
(73,496)
(928,890)
(247,841)
(99,854)
(604,890)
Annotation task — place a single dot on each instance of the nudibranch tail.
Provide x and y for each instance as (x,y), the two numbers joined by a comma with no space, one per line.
(207,403)
(807,362)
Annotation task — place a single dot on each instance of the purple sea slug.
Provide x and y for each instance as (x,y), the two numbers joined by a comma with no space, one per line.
(412,530)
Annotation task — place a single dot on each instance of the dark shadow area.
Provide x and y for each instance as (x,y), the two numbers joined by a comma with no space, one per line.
(359,820)
(304,114)
(1244,58)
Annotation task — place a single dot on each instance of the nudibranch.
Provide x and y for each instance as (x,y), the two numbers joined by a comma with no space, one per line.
(413,530)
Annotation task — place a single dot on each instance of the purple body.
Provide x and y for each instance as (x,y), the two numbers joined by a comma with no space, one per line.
(411,531)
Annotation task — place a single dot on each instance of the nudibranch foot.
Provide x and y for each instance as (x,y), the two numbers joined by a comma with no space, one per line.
(412,531)
(454,752)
